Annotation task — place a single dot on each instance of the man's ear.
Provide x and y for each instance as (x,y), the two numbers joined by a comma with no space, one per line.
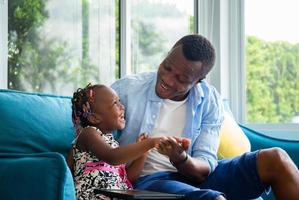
(94,118)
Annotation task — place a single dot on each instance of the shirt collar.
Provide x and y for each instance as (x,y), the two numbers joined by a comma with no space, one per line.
(196,94)
(152,91)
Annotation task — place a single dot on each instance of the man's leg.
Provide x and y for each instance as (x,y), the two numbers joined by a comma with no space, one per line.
(173,183)
(237,178)
(277,169)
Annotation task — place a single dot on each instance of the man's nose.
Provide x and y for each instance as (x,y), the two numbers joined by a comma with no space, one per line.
(169,80)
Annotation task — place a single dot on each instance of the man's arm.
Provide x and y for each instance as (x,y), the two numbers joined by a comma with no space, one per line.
(205,142)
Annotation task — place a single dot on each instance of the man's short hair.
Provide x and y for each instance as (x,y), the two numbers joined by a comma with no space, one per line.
(198,48)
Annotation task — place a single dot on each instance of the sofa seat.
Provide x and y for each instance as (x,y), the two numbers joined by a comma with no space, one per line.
(35,176)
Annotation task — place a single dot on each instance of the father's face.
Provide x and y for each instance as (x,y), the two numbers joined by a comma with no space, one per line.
(177,75)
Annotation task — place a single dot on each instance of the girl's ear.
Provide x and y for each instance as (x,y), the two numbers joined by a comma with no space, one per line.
(95,118)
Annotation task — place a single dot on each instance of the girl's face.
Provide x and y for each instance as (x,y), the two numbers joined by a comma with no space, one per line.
(109,109)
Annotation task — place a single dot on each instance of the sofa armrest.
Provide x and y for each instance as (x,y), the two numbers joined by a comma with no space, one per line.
(261,141)
(35,176)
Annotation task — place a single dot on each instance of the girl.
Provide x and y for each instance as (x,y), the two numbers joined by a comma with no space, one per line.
(98,159)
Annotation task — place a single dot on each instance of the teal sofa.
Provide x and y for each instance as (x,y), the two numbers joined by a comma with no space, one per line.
(35,135)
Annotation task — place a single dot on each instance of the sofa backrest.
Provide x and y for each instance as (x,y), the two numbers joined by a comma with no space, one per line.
(32,122)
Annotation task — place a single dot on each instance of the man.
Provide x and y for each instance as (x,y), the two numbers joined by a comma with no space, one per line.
(176,101)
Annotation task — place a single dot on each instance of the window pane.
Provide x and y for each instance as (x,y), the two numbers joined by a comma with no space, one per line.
(272,61)
(56,46)
(155,26)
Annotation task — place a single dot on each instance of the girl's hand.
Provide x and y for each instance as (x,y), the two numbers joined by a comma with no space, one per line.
(165,146)
(142,137)
(156,141)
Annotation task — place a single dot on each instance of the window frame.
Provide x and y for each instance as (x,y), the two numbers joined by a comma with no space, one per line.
(3,42)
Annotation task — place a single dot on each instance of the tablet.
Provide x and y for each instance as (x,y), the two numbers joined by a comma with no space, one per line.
(137,194)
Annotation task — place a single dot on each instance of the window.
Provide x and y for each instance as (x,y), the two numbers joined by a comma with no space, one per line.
(272,61)
(57,46)
(243,72)
(155,27)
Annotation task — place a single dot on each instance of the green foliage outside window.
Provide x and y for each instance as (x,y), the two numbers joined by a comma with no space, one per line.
(272,68)
(24,18)
(35,61)
(272,73)
(150,43)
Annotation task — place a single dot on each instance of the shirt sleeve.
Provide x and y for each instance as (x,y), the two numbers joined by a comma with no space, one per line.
(207,142)
(116,86)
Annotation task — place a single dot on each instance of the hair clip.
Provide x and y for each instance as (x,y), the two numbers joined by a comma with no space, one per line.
(86,110)
(78,129)
(88,85)
(86,114)
(91,97)
(78,113)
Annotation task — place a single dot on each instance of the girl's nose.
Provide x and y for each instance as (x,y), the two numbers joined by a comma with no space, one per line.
(122,107)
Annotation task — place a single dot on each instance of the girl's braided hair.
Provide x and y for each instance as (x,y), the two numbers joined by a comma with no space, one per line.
(81,108)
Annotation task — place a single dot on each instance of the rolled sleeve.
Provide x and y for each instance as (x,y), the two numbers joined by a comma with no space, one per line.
(206,145)
(206,142)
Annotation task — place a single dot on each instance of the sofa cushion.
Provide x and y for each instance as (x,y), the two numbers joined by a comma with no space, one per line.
(35,176)
(233,141)
(32,122)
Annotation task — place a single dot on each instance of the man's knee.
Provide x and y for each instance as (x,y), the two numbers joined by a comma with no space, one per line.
(273,161)
(275,157)
(220,197)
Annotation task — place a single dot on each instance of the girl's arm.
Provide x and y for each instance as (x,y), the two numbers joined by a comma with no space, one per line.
(134,169)
(91,140)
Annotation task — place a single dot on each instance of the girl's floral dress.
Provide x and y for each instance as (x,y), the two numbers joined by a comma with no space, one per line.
(91,173)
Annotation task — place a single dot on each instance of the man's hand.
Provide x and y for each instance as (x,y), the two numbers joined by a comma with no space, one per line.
(185,142)
(174,148)
(194,169)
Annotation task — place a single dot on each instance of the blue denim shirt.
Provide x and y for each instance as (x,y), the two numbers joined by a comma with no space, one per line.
(204,114)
